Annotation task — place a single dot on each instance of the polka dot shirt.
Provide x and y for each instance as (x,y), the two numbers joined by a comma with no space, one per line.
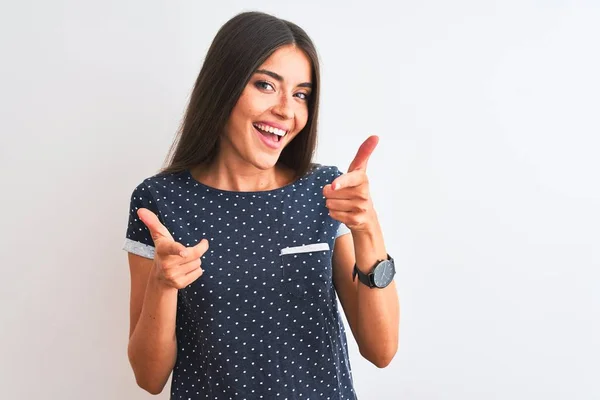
(262,322)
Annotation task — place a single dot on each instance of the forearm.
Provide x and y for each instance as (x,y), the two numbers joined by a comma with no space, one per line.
(153,346)
(378,309)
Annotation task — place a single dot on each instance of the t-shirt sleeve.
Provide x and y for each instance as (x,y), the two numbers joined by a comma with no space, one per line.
(342,230)
(138,239)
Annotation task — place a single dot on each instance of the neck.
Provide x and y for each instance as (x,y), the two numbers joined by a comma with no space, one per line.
(226,176)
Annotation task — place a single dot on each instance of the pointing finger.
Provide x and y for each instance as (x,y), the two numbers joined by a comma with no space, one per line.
(171,248)
(195,252)
(364,152)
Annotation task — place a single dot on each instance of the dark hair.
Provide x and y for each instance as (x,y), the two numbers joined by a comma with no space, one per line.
(241,45)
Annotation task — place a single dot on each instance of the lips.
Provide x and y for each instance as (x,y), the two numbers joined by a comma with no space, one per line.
(271,140)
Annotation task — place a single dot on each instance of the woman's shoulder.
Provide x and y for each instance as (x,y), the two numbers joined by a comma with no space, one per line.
(323,170)
(162,180)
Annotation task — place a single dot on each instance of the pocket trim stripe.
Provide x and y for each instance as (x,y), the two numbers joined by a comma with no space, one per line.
(307,248)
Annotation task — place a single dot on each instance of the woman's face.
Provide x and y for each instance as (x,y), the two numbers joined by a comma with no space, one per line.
(271,111)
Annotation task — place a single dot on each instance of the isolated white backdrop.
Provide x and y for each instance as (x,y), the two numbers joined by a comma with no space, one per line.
(485,180)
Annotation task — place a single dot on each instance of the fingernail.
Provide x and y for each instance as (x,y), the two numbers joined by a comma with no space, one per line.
(183,253)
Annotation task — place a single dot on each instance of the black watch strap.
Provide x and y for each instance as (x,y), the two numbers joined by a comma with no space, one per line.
(364,278)
(367,279)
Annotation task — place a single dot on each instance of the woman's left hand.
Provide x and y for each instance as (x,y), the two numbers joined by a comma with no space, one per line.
(348,197)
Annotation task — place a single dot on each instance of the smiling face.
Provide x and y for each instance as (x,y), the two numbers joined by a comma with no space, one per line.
(271,111)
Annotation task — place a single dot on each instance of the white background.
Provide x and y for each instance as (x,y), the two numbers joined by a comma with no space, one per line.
(485,180)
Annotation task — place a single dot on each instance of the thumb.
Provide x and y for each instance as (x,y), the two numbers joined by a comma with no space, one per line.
(157,230)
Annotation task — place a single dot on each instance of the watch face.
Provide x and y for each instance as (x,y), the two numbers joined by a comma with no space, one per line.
(384,273)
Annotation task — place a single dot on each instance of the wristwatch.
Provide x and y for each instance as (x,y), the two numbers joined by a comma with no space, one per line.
(381,275)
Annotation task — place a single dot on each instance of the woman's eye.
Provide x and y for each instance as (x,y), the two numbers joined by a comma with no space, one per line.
(264,85)
(303,96)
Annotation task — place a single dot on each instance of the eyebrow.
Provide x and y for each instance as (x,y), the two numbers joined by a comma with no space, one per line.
(279,78)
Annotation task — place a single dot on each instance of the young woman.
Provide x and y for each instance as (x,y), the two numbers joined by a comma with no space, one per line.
(241,246)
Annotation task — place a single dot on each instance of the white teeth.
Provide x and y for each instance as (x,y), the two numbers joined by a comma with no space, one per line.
(270,129)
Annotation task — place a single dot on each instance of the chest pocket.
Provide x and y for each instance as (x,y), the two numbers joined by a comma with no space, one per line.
(307,269)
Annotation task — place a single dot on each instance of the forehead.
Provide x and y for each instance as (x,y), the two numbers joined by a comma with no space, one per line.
(291,63)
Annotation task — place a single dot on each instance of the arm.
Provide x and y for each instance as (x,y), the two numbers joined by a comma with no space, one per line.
(152,346)
(373,314)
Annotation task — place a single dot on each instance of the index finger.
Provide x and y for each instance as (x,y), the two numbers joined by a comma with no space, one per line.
(192,253)
(170,248)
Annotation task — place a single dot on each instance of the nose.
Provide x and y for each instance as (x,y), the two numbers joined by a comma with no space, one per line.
(283,108)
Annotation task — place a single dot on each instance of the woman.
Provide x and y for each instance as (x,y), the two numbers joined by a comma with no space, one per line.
(241,246)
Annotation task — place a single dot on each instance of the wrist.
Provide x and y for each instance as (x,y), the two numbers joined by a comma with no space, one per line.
(368,235)
(369,247)
(156,281)
(369,228)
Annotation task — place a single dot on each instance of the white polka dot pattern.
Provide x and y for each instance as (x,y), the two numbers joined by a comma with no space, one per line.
(257,324)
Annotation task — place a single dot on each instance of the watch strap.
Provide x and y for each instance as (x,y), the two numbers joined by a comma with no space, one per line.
(364,278)
(367,278)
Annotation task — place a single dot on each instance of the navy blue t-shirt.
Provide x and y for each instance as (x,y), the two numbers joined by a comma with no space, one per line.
(262,322)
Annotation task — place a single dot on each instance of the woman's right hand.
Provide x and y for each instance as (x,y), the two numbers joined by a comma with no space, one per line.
(175,265)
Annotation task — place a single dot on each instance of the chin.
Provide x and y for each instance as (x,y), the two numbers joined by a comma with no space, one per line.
(265,163)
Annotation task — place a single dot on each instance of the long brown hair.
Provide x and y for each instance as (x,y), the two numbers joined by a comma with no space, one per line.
(241,45)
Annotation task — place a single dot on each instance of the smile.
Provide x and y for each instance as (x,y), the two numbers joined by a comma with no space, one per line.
(272,140)
(267,130)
